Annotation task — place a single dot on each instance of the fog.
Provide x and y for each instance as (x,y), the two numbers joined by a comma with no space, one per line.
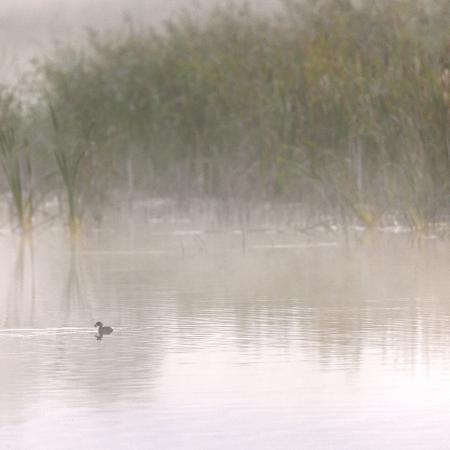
(224,228)
(30,27)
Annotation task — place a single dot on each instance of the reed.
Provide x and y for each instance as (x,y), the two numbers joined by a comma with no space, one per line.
(341,108)
(15,161)
(69,137)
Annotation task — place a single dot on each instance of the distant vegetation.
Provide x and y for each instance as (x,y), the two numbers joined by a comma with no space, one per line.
(340,109)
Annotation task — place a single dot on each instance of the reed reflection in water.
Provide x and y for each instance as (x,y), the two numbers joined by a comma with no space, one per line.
(303,347)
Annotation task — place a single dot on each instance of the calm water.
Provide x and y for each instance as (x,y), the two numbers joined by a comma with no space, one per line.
(290,345)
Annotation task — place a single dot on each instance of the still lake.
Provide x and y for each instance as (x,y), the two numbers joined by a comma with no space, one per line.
(272,342)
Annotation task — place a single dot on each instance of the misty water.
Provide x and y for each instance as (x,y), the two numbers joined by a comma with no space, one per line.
(219,342)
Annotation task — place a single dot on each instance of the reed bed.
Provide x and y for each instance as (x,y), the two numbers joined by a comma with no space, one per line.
(343,109)
(15,162)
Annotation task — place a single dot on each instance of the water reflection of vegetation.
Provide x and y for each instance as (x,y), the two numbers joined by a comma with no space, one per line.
(20,297)
(324,306)
(370,305)
(58,361)
(342,108)
(74,294)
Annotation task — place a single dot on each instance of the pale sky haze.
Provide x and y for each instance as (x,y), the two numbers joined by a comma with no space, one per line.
(27,27)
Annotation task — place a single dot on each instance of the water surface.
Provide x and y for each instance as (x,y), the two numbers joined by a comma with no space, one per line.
(279,343)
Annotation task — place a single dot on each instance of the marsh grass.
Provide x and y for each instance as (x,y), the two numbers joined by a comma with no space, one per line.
(15,162)
(69,138)
(68,156)
(341,109)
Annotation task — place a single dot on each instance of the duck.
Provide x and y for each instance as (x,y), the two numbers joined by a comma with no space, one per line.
(103,330)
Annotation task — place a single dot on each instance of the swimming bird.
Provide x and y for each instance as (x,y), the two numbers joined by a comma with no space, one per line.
(103,330)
